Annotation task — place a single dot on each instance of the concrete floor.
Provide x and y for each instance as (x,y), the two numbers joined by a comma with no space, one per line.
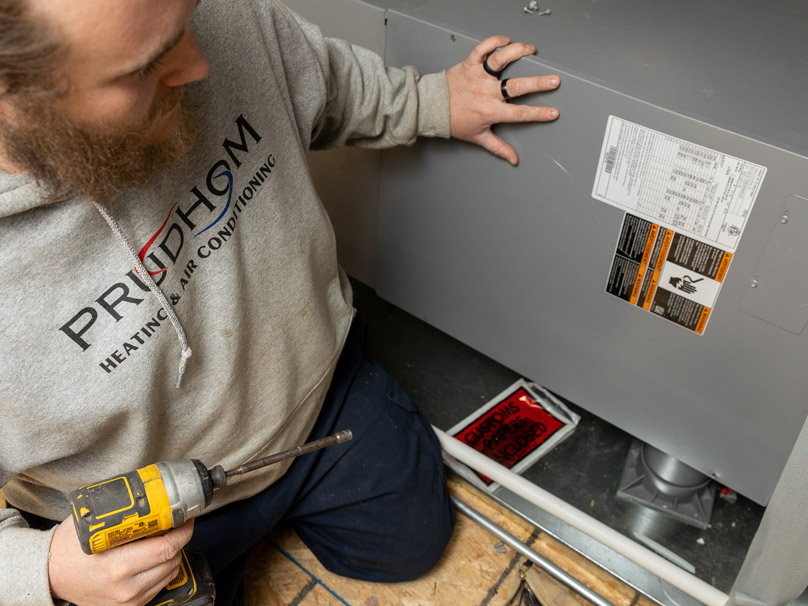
(448,381)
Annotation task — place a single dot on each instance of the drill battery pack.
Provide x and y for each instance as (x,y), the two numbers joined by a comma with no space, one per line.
(193,585)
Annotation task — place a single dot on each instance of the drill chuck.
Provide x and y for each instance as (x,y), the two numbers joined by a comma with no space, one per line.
(189,488)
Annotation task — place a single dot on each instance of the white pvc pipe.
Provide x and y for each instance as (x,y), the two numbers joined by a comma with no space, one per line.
(689,584)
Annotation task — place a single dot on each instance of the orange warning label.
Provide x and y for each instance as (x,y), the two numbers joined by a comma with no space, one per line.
(722,267)
(705,314)
(666,273)
(649,296)
(635,292)
(649,244)
(664,247)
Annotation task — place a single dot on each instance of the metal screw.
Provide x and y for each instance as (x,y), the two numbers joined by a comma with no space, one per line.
(784,218)
(546,11)
(533,5)
(527,11)
(754,282)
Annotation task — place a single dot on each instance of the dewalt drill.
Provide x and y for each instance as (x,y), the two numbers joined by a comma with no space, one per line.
(154,499)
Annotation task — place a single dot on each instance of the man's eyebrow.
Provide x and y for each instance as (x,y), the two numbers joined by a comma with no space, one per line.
(163,50)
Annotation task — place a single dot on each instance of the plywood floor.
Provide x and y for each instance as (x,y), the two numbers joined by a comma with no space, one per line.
(477,569)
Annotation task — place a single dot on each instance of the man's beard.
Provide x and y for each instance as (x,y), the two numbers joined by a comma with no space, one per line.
(69,160)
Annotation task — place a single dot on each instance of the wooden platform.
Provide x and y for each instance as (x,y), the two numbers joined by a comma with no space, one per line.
(476,570)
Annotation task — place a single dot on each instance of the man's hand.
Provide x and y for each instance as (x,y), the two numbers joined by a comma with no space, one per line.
(129,575)
(476,100)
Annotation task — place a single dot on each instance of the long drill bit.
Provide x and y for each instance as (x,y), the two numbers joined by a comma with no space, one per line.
(341,436)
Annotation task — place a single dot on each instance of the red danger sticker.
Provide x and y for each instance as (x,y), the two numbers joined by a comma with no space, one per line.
(510,430)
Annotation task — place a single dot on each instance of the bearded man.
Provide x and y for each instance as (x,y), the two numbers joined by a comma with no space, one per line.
(155,200)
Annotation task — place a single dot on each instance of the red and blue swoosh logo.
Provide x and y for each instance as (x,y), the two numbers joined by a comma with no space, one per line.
(144,251)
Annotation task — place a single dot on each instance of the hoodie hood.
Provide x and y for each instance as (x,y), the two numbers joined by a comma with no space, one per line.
(19,193)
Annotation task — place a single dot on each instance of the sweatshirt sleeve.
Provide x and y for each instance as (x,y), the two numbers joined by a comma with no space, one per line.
(23,562)
(366,103)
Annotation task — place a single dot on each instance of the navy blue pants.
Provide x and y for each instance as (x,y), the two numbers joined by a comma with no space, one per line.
(375,508)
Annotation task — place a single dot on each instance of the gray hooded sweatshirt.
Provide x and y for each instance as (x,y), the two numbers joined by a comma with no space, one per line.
(243,257)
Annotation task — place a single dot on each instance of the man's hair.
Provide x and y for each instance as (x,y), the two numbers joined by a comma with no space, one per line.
(30,53)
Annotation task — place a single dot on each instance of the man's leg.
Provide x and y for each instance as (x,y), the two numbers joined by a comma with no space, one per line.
(379,510)
(375,507)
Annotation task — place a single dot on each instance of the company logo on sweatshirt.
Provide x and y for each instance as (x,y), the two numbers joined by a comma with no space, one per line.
(205,223)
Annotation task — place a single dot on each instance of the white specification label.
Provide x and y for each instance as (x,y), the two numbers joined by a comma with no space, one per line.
(693,189)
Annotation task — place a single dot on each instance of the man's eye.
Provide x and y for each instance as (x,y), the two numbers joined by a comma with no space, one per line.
(149,69)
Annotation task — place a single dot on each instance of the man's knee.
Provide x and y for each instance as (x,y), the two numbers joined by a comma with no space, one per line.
(424,557)
(394,560)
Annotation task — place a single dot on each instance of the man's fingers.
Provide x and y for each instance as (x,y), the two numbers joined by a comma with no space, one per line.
(171,547)
(527,113)
(486,47)
(536,84)
(498,147)
(154,580)
(182,534)
(175,540)
(165,549)
(516,87)
(501,58)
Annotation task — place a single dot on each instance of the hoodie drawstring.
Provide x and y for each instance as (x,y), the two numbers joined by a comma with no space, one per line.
(155,290)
